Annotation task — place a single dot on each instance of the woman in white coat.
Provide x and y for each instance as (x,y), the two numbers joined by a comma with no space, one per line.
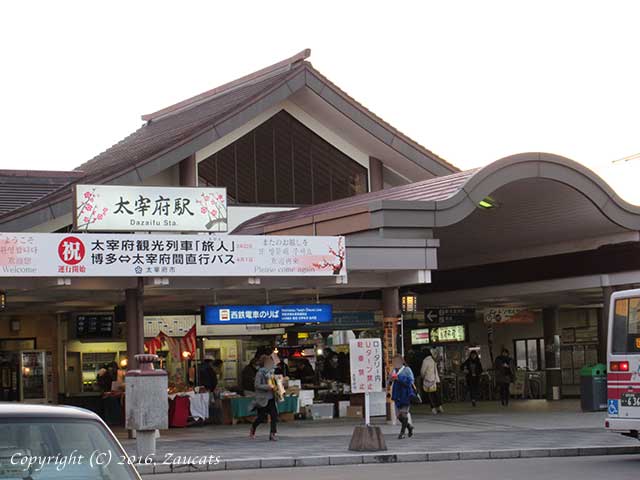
(430,381)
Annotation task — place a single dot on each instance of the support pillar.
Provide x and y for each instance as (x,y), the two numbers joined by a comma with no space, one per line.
(376,177)
(188,172)
(603,324)
(134,312)
(390,315)
(550,325)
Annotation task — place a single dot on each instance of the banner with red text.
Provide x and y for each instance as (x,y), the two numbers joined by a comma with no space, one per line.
(126,255)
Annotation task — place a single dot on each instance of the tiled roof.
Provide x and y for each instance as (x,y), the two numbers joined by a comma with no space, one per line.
(165,132)
(20,187)
(174,126)
(431,190)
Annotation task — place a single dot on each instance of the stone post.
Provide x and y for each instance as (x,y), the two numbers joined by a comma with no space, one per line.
(147,405)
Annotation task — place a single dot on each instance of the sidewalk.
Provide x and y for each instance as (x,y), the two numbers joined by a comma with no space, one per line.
(527,428)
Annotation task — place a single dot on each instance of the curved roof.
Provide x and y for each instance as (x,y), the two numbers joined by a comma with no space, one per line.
(451,198)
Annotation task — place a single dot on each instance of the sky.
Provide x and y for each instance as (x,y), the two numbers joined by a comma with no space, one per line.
(472,81)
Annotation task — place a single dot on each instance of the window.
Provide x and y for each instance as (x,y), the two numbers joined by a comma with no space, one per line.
(282,162)
(626,326)
(530,353)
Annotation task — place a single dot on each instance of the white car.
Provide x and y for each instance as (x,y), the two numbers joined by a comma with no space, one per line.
(57,442)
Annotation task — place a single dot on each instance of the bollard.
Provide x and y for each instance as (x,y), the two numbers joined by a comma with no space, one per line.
(146,403)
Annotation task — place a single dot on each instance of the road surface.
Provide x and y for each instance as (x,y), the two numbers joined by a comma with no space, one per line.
(615,467)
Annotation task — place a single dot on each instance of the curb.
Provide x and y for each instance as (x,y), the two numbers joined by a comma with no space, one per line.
(404,457)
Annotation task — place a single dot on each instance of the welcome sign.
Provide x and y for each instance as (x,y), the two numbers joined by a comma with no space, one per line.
(126,255)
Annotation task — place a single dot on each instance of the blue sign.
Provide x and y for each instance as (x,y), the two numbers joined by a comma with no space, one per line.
(613,407)
(343,321)
(260,314)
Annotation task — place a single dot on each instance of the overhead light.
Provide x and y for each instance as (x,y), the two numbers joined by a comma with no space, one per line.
(3,300)
(409,302)
(487,203)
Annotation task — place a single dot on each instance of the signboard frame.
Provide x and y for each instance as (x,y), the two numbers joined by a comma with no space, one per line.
(266,314)
(431,342)
(365,360)
(27,254)
(100,319)
(449,315)
(85,207)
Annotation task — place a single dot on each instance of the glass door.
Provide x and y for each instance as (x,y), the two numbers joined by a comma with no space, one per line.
(33,385)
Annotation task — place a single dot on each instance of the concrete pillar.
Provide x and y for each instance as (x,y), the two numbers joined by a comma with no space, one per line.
(188,172)
(376,178)
(292,337)
(551,333)
(134,312)
(603,324)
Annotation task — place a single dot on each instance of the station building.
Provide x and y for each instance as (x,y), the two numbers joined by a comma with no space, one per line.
(520,254)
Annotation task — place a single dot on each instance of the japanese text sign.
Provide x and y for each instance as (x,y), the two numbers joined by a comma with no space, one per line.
(122,255)
(365,357)
(508,315)
(259,314)
(139,208)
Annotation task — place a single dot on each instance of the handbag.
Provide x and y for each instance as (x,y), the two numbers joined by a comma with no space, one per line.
(430,387)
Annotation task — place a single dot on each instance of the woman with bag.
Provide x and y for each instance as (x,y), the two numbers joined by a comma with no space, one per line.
(402,391)
(430,381)
(265,400)
(505,375)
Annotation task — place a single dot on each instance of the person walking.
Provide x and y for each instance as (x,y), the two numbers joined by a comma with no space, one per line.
(472,368)
(430,381)
(248,377)
(402,391)
(505,375)
(265,402)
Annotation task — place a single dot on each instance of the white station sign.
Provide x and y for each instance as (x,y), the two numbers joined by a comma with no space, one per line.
(130,255)
(113,208)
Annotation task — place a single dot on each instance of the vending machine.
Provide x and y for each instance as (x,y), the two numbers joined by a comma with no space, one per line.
(36,376)
(9,382)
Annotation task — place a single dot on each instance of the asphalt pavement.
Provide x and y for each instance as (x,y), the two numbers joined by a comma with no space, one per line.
(528,429)
(619,467)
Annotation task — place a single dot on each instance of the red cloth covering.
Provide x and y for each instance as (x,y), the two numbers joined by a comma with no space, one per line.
(179,411)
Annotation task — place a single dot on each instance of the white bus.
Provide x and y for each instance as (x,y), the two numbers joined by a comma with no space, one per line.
(623,364)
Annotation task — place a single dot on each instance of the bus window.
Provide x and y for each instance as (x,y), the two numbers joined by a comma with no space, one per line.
(626,326)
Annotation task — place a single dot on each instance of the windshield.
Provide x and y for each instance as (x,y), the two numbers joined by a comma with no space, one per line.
(58,448)
(626,326)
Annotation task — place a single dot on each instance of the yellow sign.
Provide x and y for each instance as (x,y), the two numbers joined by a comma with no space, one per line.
(638,343)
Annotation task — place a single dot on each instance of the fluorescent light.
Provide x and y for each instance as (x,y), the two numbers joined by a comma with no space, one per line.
(487,203)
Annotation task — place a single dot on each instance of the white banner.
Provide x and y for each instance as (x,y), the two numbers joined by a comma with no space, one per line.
(504,315)
(122,255)
(139,208)
(365,358)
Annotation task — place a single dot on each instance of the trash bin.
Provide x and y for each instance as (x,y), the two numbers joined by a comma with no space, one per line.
(593,388)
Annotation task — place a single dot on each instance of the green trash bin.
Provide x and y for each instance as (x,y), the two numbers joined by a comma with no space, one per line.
(593,388)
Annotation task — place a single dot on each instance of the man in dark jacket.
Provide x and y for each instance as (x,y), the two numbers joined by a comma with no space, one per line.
(208,377)
(248,377)
(505,375)
(472,368)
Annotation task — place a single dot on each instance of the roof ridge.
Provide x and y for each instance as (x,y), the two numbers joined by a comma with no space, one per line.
(404,136)
(254,77)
